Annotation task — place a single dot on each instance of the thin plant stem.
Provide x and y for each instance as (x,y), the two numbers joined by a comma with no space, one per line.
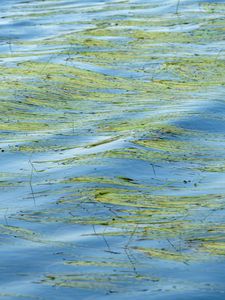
(177,8)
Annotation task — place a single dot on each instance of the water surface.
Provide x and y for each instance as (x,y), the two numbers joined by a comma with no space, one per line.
(112,149)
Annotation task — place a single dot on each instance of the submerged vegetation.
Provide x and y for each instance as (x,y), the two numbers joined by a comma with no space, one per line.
(112,146)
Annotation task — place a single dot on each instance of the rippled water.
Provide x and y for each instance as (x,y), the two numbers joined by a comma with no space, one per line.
(112,149)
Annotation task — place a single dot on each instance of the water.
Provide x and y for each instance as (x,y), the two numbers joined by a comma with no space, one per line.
(112,149)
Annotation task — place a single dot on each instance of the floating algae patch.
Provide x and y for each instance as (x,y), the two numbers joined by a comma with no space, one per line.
(212,7)
(19,232)
(123,181)
(136,153)
(213,168)
(152,156)
(19,296)
(200,69)
(112,282)
(165,255)
(12,179)
(106,264)
(158,215)
(145,200)
(165,145)
(43,147)
(103,142)
(81,78)
(145,125)
(214,248)
(7,183)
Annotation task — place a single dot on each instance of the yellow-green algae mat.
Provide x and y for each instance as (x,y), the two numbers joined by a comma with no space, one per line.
(112,149)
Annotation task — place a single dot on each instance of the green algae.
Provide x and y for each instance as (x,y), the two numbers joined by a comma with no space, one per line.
(19,232)
(165,255)
(105,141)
(104,180)
(97,264)
(145,125)
(213,7)
(19,296)
(37,147)
(129,198)
(214,248)
(144,154)
(74,76)
(94,280)
(202,69)
(213,168)
(165,145)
